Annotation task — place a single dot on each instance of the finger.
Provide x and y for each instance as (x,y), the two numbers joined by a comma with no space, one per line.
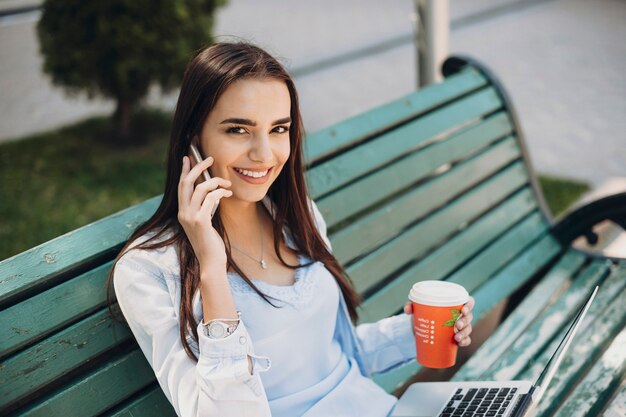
(201,191)
(197,169)
(211,199)
(465,342)
(468,306)
(408,308)
(188,179)
(463,333)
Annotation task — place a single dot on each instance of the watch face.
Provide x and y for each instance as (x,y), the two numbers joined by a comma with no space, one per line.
(217,330)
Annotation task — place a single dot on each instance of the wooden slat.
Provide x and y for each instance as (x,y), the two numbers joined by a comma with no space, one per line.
(351,165)
(41,364)
(609,291)
(380,184)
(347,132)
(39,316)
(514,275)
(42,264)
(517,322)
(385,301)
(150,404)
(98,391)
(596,388)
(430,233)
(389,220)
(617,406)
(500,251)
(464,246)
(542,330)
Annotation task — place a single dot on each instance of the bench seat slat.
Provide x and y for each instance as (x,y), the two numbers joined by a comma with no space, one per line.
(150,404)
(113,383)
(430,233)
(380,225)
(617,406)
(541,330)
(39,316)
(43,264)
(27,371)
(380,184)
(343,134)
(590,395)
(525,313)
(357,162)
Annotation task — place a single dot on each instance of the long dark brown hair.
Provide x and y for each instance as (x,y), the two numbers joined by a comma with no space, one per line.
(208,74)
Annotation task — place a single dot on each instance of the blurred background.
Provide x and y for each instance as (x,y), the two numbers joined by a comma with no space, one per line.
(65,161)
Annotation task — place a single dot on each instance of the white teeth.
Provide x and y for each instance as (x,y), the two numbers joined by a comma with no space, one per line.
(252,173)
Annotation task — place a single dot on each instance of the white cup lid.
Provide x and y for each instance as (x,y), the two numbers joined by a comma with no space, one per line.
(438,293)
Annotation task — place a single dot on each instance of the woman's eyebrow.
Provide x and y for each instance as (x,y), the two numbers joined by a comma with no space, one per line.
(248,122)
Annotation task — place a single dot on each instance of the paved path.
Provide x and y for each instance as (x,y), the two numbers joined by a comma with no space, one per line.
(562,61)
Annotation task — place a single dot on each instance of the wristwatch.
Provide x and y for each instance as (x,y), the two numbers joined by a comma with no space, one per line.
(221,328)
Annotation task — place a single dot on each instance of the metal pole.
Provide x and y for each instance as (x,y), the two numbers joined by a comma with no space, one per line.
(432,31)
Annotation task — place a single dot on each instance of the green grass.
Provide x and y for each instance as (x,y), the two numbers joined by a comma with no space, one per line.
(55,182)
(58,181)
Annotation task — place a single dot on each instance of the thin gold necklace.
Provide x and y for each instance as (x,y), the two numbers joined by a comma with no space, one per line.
(260,261)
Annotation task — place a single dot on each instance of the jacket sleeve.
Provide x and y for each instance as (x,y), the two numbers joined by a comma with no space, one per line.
(219,384)
(387,343)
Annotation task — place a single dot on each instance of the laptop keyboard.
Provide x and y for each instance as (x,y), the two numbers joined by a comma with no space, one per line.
(479,402)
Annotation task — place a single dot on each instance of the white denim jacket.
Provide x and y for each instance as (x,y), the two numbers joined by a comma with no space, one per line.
(147,286)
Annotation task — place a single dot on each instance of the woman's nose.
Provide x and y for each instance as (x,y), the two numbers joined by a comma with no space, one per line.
(261,150)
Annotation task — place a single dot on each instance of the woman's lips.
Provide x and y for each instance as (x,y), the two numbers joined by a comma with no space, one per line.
(252,180)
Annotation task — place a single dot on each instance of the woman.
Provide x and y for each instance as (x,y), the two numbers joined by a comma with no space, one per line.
(213,298)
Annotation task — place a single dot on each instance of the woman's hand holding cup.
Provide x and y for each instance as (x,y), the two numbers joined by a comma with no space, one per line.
(463,324)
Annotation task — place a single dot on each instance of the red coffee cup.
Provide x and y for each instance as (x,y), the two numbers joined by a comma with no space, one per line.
(436,307)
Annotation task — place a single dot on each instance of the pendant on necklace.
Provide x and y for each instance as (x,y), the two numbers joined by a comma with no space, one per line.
(263,264)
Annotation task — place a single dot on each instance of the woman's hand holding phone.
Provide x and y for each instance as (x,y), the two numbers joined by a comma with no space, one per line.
(195,207)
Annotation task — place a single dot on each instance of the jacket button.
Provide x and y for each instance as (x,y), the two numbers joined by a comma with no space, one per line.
(242,340)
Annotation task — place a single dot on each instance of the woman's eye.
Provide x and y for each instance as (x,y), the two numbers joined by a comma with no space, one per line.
(236,130)
(281,129)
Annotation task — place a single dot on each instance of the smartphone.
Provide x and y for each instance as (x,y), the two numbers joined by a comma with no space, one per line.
(197,157)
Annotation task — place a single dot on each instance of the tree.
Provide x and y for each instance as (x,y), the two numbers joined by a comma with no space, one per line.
(119,48)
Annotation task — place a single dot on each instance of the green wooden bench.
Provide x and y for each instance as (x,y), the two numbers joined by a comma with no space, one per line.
(435,185)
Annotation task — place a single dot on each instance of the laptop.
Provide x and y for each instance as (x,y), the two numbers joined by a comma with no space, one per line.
(483,398)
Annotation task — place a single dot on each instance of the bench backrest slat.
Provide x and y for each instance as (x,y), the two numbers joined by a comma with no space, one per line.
(368,231)
(344,134)
(113,382)
(66,256)
(35,318)
(40,365)
(370,155)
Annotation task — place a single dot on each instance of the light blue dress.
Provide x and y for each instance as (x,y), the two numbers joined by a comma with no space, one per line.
(309,375)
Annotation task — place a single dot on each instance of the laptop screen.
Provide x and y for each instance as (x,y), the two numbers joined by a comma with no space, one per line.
(550,369)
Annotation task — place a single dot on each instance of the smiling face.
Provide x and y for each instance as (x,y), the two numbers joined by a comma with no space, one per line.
(247,133)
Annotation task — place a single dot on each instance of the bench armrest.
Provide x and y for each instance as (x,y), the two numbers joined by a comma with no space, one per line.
(582,219)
